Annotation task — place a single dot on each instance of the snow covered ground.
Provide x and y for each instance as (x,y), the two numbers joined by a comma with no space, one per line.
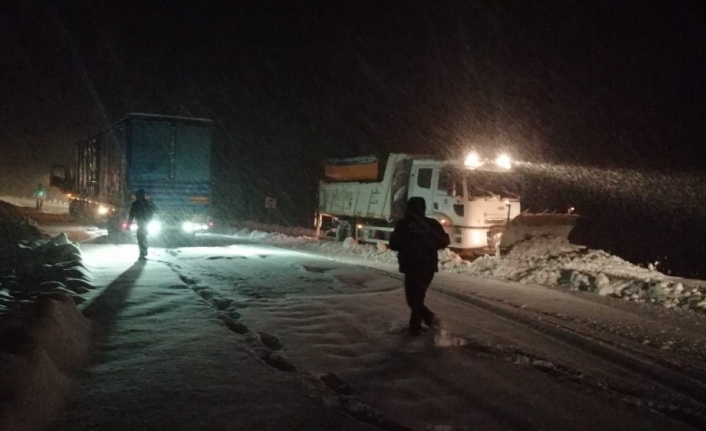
(236,334)
(164,359)
(543,261)
(51,206)
(267,331)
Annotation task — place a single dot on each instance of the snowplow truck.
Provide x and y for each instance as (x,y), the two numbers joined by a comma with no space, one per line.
(168,157)
(477,203)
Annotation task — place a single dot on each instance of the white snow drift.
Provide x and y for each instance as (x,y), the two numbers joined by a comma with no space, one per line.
(43,336)
(546,261)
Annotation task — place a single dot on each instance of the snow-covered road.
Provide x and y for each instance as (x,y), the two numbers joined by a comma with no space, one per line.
(239,335)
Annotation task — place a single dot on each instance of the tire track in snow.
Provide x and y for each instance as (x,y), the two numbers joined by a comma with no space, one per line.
(691,391)
(675,380)
(367,414)
(332,390)
(698,374)
(691,410)
(264,346)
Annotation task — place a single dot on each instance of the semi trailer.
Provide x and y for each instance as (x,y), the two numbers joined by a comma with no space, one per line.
(168,157)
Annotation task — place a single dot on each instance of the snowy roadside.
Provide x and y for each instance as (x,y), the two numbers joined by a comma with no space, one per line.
(549,262)
(53,206)
(32,262)
(43,336)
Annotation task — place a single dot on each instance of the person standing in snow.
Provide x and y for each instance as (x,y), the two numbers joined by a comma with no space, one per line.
(142,212)
(417,239)
(40,193)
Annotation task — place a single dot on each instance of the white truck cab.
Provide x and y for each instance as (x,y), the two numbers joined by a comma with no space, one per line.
(473,201)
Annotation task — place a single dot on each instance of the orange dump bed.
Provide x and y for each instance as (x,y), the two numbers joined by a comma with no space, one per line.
(367,171)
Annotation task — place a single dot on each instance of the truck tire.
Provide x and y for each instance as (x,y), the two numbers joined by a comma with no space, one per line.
(343,230)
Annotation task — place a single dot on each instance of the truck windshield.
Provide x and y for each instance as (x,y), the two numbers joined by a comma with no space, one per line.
(502,185)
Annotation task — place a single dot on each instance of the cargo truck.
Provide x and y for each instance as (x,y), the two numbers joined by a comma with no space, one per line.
(477,200)
(168,157)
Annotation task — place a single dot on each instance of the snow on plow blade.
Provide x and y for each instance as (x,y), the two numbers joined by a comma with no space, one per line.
(527,226)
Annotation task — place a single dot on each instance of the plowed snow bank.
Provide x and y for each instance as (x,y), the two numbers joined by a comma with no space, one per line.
(39,346)
(545,261)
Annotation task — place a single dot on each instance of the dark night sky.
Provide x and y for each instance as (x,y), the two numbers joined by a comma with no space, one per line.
(291,82)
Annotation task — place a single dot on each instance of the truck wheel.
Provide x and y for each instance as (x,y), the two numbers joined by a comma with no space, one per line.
(343,230)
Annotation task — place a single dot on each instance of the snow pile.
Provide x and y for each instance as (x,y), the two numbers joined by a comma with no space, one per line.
(43,336)
(350,247)
(545,261)
(31,263)
(30,268)
(274,238)
(292,231)
(330,248)
(14,226)
(40,345)
(555,262)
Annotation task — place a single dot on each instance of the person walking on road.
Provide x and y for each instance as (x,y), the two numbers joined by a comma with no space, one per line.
(417,239)
(142,211)
(40,193)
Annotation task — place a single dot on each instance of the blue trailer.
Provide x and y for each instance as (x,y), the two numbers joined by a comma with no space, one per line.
(168,157)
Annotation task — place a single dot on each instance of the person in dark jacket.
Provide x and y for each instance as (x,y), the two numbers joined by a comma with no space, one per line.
(417,239)
(142,212)
(40,193)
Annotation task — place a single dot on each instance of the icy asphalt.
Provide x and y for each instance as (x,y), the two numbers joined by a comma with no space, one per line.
(236,335)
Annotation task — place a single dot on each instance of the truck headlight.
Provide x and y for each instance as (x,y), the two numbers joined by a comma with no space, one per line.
(154,227)
(504,161)
(102,210)
(188,227)
(472,160)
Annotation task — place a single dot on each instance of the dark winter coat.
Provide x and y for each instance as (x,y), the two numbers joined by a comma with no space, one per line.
(142,211)
(417,239)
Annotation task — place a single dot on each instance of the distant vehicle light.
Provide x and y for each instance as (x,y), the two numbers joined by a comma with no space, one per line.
(102,210)
(133,227)
(125,226)
(504,161)
(154,227)
(472,160)
(204,227)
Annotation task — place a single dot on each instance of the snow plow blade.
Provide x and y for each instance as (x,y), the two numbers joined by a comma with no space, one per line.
(527,226)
